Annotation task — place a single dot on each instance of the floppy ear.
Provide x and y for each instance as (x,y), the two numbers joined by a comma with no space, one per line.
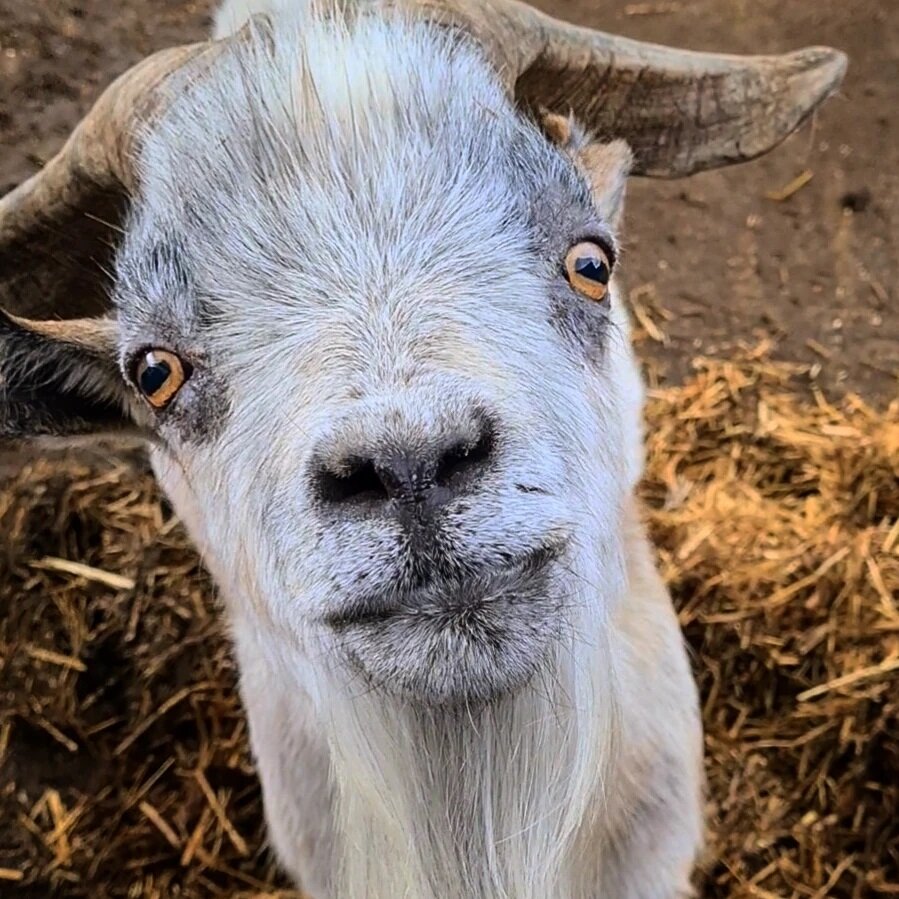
(61,379)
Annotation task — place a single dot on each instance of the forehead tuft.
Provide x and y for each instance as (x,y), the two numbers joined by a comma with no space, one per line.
(339,103)
(372,132)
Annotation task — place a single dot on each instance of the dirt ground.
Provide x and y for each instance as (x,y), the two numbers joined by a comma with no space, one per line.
(714,259)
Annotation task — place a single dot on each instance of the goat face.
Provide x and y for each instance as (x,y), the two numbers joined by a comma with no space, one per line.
(396,407)
(405,424)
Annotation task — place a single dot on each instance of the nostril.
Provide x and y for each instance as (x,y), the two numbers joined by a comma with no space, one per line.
(357,481)
(413,476)
(464,459)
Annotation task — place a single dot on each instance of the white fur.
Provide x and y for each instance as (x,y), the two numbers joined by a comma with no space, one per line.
(357,229)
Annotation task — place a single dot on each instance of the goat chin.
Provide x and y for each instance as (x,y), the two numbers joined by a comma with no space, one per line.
(456,802)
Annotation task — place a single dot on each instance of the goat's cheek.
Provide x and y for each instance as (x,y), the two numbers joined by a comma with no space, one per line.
(583,324)
(200,413)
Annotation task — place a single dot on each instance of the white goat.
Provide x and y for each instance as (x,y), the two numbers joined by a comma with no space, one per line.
(361,309)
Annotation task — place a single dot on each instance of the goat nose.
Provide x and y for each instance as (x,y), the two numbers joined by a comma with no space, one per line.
(425,478)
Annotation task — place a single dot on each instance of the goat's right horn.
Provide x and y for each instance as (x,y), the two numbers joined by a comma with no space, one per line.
(57,228)
(680,111)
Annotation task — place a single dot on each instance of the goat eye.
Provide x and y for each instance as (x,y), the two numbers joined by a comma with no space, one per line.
(588,270)
(160,375)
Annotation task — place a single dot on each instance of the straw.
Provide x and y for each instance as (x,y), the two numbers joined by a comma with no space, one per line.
(775,511)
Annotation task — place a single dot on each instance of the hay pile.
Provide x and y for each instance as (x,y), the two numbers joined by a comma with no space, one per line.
(124,763)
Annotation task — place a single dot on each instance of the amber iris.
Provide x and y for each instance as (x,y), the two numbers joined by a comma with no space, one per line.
(159,376)
(588,270)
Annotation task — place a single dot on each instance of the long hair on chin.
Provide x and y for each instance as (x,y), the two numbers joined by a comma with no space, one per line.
(476,802)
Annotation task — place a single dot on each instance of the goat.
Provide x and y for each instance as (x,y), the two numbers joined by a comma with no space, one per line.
(350,270)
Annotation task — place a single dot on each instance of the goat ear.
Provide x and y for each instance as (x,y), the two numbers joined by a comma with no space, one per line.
(61,379)
(607,167)
(604,165)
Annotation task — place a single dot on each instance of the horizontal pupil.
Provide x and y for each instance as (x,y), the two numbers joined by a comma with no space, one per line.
(154,376)
(592,269)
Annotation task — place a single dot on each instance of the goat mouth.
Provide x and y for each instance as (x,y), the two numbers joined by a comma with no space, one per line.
(449,601)
(471,639)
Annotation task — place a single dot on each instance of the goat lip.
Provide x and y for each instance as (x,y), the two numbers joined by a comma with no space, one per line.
(469,638)
(449,602)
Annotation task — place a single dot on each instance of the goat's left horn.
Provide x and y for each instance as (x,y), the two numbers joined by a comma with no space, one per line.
(56,228)
(680,111)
